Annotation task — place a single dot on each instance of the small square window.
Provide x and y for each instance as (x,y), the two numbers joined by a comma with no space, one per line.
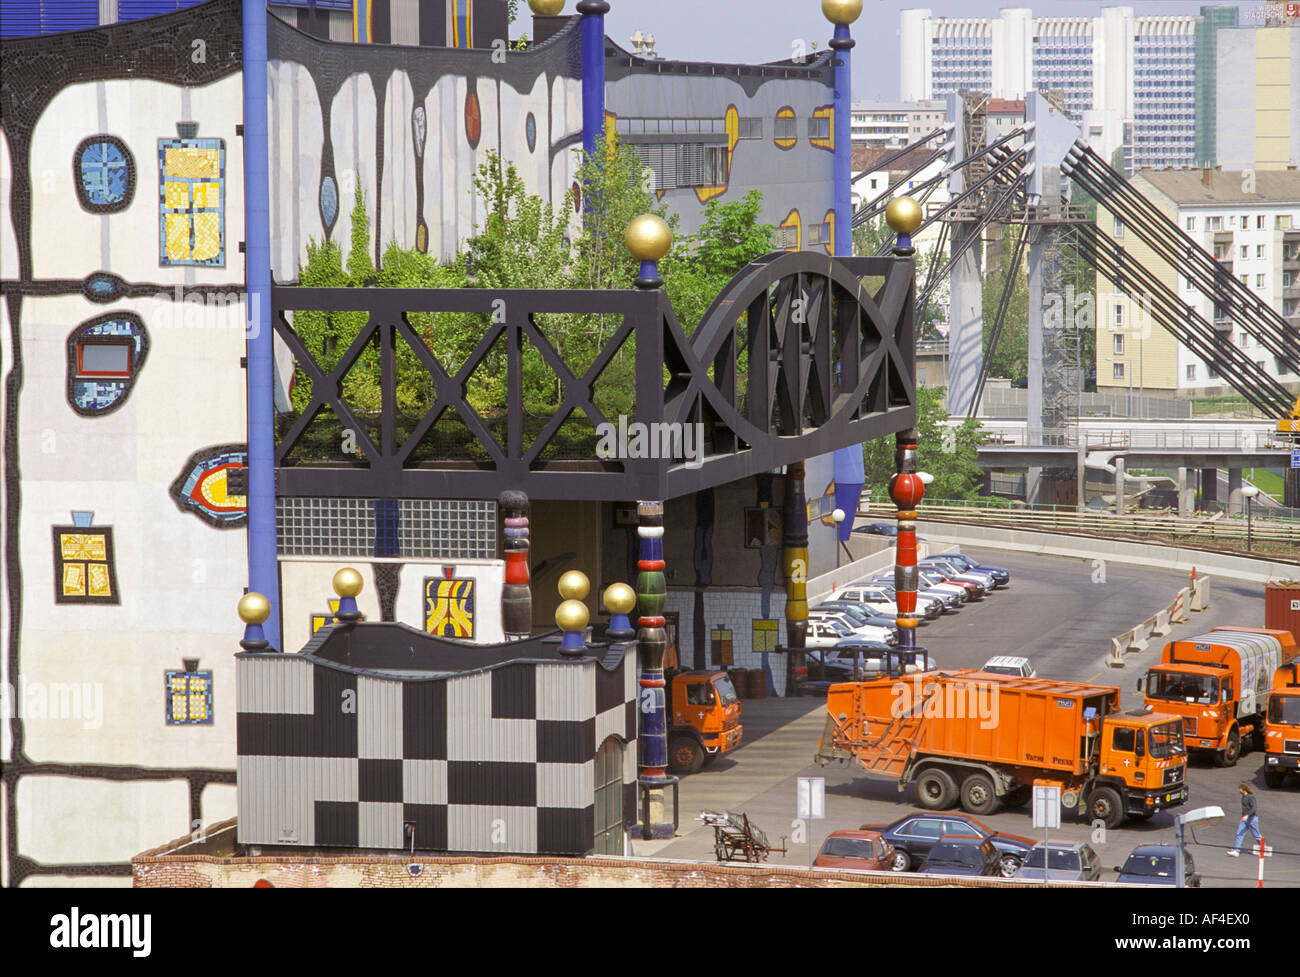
(188,696)
(103,358)
(1117,371)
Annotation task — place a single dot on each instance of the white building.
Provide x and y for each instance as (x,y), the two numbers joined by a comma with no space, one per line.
(893,125)
(1127,80)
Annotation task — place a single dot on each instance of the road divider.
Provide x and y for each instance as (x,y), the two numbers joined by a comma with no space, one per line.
(1195,596)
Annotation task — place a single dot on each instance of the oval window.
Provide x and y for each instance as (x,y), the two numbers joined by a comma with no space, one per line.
(104,174)
(104,358)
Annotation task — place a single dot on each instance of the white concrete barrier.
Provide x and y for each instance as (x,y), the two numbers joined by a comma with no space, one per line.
(1156,626)
(1200,588)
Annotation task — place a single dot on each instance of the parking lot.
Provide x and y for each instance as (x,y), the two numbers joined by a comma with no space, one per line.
(1061,614)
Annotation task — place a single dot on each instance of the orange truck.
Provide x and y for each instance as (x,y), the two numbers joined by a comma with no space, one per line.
(1218,683)
(983,739)
(1282,726)
(703,715)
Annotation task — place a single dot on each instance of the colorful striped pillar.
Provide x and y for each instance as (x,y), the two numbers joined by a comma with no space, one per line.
(906,489)
(516,595)
(652,705)
(795,540)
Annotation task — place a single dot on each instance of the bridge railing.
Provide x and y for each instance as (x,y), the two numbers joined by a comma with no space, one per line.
(1208,527)
(1122,439)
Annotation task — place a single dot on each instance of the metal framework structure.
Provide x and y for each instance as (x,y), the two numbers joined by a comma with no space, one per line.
(795,358)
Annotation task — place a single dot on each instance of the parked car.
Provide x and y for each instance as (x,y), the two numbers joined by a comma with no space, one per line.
(954,572)
(856,611)
(877,597)
(826,632)
(1009,665)
(914,835)
(1061,861)
(869,632)
(934,580)
(861,850)
(1155,865)
(961,855)
(1001,576)
(947,600)
(877,529)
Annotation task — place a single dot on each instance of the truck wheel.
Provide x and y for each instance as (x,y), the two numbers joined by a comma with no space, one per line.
(978,795)
(1105,804)
(685,755)
(935,790)
(1018,797)
(1274,778)
(1227,757)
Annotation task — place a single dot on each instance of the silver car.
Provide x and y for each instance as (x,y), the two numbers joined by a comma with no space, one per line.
(1061,861)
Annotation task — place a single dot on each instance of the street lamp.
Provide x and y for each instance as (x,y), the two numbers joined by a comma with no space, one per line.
(838,516)
(1248,493)
(1202,815)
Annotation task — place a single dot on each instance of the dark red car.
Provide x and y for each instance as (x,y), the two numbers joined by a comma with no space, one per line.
(864,850)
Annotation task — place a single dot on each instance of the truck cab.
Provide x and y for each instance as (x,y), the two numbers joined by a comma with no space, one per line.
(1282,726)
(1142,755)
(703,712)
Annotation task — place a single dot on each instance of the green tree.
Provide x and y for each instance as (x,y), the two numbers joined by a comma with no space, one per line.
(948,453)
(1010,358)
(871,236)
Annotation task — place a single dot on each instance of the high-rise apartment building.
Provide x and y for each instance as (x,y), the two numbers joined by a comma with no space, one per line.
(893,125)
(1128,81)
(1213,20)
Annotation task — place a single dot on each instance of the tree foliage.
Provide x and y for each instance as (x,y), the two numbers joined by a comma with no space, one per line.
(948,453)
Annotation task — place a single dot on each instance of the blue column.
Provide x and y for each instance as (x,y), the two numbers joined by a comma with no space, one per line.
(842,45)
(593,72)
(263,572)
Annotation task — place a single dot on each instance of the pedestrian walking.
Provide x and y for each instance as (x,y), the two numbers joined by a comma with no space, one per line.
(1249,820)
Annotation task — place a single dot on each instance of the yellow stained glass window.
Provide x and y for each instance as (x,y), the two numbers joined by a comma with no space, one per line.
(74,580)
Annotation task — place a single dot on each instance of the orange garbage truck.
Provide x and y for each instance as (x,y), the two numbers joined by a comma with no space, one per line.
(703,715)
(1218,684)
(983,739)
(1282,726)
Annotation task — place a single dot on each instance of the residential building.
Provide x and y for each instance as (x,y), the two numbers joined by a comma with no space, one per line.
(1257,121)
(1127,80)
(893,125)
(1251,224)
(1213,19)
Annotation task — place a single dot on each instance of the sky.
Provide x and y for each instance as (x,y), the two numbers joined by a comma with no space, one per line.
(766,30)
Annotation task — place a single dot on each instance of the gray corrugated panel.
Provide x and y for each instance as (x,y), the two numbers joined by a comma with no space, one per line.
(565,784)
(566,691)
(273,683)
(274,800)
(379,825)
(424,781)
(474,828)
(472,733)
(611,722)
(379,719)
(333,779)
(629,765)
(630,675)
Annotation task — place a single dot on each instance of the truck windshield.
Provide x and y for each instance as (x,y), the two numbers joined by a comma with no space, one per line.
(1182,687)
(726,691)
(1167,740)
(1284,710)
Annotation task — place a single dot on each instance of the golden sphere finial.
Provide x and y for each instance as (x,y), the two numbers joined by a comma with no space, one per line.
(842,11)
(348,582)
(546,8)
(574,585)
(648,237)
(904,215)
(620,598)
(572,615)
(254,608)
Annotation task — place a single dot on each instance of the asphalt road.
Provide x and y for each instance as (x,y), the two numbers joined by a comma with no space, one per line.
(1060,613)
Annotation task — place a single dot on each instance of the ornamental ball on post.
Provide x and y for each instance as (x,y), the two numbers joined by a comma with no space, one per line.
(347,582)
(903,215)
(620,598)
(574,585)
(572,615)
(254,608)
(648,237)
(842,11)
(546,8)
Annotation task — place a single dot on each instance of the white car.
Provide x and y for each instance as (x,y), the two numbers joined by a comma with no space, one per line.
(1010,665)
(884,600)
(954,572)
(865,632)
(934,581)
(826,632)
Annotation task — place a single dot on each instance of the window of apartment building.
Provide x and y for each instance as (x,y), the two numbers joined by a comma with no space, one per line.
(1214,223)
(1245,252)
(1117,371)
(1119,317)
(1119,227)
(1243,339)
(1191,371)
(1118,345)
(1278,366)
(1259,281)
(1260,364)
(819,127)
(751,127)
(1259,251)
(1287,279)
(1259,222)
(1191,223)
(1283,223)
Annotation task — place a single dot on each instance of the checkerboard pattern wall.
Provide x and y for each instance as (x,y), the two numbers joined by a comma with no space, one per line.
(500,759)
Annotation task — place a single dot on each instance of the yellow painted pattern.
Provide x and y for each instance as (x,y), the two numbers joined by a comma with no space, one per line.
(176,194)
(732,122)
(207,236)
(99,585)
(178,236)
(448,609)
(792,220)
(192,163)
(825,112)
(83,546)
(74,580)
